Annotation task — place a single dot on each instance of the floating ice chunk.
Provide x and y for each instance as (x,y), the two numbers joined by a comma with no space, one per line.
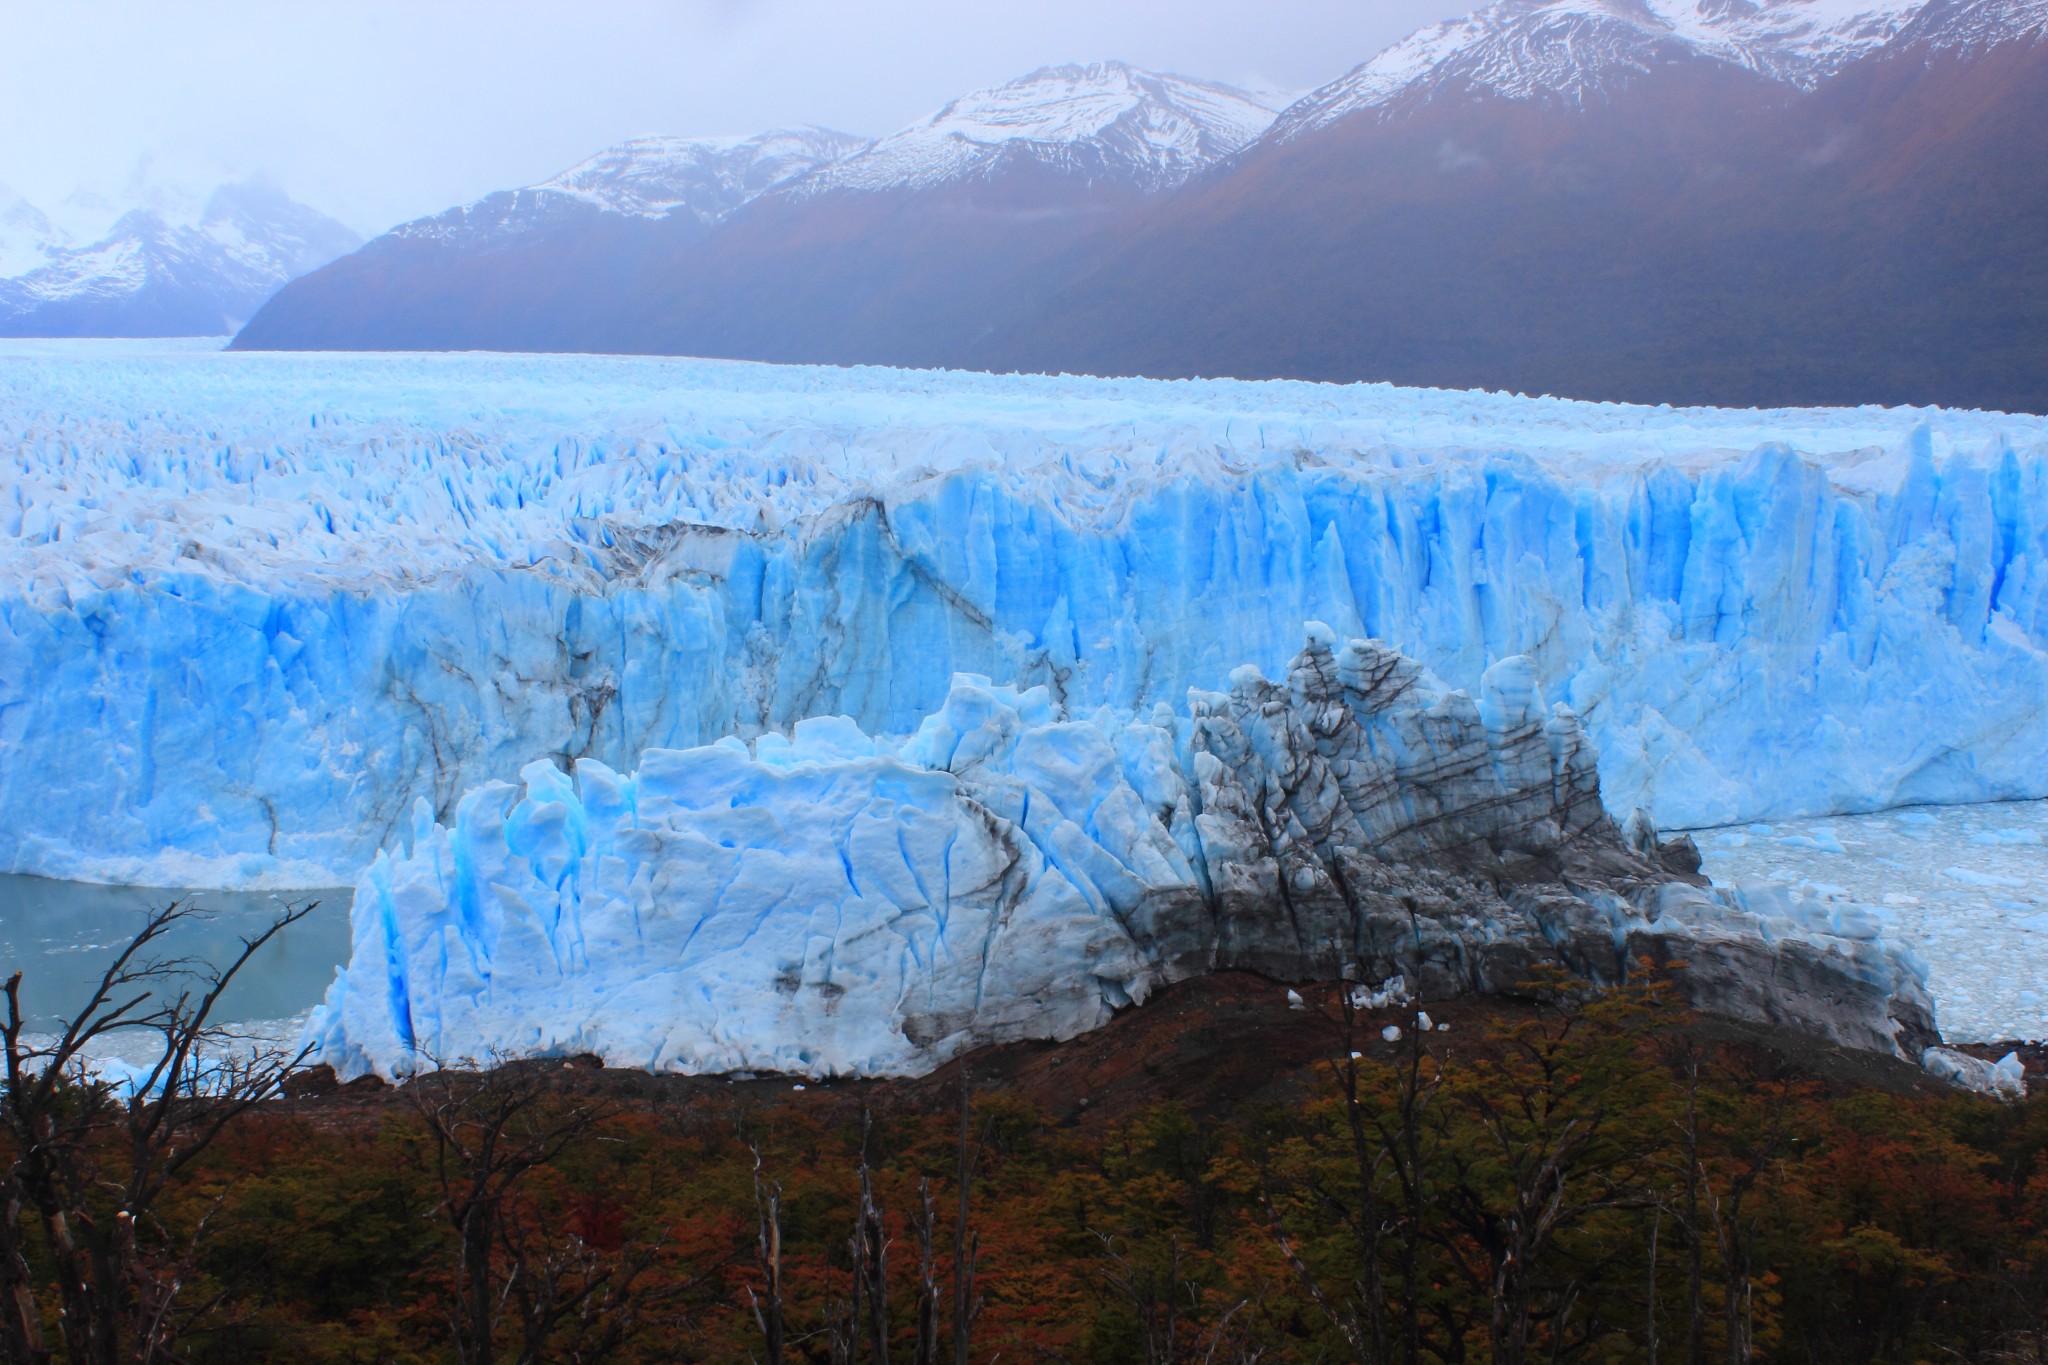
(1970,876)
(1856,921)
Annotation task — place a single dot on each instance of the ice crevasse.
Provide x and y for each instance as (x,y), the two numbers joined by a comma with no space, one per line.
(824,904)
(254,609)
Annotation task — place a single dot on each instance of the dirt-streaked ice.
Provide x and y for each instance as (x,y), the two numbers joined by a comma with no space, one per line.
(825,904)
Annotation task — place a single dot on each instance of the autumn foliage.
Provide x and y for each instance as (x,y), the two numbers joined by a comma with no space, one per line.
(1587,1178)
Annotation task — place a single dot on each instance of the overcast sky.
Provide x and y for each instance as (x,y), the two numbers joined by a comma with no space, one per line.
(378,111)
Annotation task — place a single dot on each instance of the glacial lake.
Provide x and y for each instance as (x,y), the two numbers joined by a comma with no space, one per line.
(61,935)
(1964,887)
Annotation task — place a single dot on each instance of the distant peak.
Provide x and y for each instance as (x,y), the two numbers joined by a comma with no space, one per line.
(27,237)
(1573,51)
(1969,27)
(1108,118)
(652,177)
(249,238)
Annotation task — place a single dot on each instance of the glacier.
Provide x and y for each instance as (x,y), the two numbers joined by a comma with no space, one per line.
(255,608)
(821,904)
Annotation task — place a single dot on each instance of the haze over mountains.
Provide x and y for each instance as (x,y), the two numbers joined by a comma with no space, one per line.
(1729,201)
(166,264)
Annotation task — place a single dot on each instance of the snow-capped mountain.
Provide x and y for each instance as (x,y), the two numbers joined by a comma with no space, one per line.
(1730,201)
(1104,120)
(548,266)
(642,247)
(27,237)
(1573,51)
(693,180)
(1798,201)
(652,177)
(1968,28)
(150,275)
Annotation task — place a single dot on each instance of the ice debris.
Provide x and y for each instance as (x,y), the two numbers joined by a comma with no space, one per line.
(2005,1078)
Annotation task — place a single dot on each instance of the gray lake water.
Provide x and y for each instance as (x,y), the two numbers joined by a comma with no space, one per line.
(62,935)
(1963,887)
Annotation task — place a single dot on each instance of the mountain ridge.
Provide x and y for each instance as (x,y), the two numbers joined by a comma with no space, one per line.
(1105,118)
(1575,50)
(150,274)
(1722,201)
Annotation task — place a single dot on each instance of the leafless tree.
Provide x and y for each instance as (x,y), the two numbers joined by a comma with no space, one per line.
(1153,1294)
(926,1351)
(1385,1193)
(870,1257)
(91,1158)
(966,1241)
(491,1128)
(1554,1143)
(576,1304)
(1715,1205)
(768,1304)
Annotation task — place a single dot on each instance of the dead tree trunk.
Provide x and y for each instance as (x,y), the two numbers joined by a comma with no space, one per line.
(926,1351)
(768,1260)
(491,1129)
(966,1242)
(871,1263)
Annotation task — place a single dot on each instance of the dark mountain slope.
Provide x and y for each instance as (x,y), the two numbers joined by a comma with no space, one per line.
(539,273)
(550,267)
(1788,202)
(919,277)
(1696,238)
(900,250)
(1473,242)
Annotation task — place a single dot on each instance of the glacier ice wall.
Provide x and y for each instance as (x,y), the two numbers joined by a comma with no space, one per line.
(822,904)
(253,607)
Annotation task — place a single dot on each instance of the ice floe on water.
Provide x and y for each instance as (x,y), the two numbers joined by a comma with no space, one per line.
(1963,887)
